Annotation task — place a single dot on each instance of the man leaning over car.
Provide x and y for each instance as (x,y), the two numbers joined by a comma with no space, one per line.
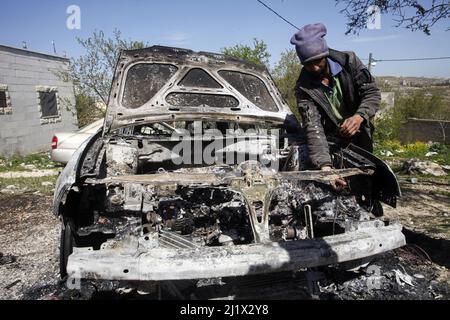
(336,95)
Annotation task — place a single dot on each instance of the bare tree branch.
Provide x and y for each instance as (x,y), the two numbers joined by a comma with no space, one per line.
(410,14)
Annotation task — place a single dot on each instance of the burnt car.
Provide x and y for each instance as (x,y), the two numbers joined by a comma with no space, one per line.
(199,172)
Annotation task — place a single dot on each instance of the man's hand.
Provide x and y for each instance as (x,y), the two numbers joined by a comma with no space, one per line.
(351,126)
(339,182)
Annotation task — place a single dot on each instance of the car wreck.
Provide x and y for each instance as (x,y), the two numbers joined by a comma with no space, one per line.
(199,172)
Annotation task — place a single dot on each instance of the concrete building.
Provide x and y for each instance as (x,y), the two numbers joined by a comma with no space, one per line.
(34,102)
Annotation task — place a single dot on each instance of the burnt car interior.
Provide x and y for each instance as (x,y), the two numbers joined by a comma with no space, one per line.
(144,183)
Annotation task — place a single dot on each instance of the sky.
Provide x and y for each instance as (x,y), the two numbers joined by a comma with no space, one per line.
(209,25)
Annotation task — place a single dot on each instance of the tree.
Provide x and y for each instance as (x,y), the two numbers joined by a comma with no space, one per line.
(257,55)
(87,109)
(285,74)
(92,72)
(409,13)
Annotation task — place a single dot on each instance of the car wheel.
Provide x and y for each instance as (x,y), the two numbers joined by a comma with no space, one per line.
(67,242)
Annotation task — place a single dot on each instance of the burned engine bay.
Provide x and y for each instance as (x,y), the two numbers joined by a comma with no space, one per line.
(132,192)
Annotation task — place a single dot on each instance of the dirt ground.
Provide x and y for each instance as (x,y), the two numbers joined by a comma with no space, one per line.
(29,241)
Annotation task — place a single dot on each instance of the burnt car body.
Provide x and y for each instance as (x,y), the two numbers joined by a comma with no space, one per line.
(131,210)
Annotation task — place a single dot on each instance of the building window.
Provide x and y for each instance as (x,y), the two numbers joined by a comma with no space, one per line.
(5,101)
(49,107)
(48,104)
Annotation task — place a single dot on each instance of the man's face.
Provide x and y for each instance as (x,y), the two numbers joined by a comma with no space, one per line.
(316,67)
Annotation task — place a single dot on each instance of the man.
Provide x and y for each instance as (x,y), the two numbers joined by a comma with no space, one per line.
(336,95)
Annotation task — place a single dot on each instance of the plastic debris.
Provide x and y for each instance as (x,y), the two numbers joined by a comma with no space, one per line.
(386,153)
(402,278)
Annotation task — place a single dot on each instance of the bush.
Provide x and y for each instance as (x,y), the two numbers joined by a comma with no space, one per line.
(428,104)
(416,150)
(17,162)
(389,145)
(87,111)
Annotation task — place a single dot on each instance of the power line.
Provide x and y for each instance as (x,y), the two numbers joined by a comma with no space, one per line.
(411,59)
(370,59)
(406,59)
(265,5)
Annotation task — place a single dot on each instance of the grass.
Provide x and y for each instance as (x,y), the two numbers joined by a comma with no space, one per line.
(18,163)
(441,193)
(403,152)
(423,177)
(416,150)
(30,184)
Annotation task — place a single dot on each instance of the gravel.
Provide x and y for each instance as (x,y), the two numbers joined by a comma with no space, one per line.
(29,241)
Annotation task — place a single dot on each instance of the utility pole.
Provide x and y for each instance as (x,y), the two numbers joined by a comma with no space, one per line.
(369,66)
(54,47)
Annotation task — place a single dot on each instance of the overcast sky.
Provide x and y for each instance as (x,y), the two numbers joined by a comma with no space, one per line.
(209,25)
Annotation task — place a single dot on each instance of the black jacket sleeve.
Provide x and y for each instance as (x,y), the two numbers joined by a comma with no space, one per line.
(318,149)
(367,89)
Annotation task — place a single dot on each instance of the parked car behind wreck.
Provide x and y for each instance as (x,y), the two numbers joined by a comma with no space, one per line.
(64,144)
(199,172)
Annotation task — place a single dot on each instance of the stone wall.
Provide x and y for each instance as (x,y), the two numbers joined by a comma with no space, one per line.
(425,130)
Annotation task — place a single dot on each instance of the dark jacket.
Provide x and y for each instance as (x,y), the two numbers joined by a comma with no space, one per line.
(360,96)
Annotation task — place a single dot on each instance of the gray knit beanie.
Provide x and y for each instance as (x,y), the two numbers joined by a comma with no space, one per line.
(310,43)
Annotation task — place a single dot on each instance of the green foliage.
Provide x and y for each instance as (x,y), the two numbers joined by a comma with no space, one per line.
(387,145)
(92,72)
(257,54)
(422,104)
(443,156)
(418,147)
(31,184)
(17,162)
(285,74)
(87,109)
(385,128)
(383,85)
(417,150)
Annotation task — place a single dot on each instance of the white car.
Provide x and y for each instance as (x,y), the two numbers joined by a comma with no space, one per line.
(64,144)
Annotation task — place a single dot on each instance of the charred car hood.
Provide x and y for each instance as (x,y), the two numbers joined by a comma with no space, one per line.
(171,84)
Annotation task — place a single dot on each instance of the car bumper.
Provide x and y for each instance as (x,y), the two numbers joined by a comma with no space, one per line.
(62,155)
(210,262)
